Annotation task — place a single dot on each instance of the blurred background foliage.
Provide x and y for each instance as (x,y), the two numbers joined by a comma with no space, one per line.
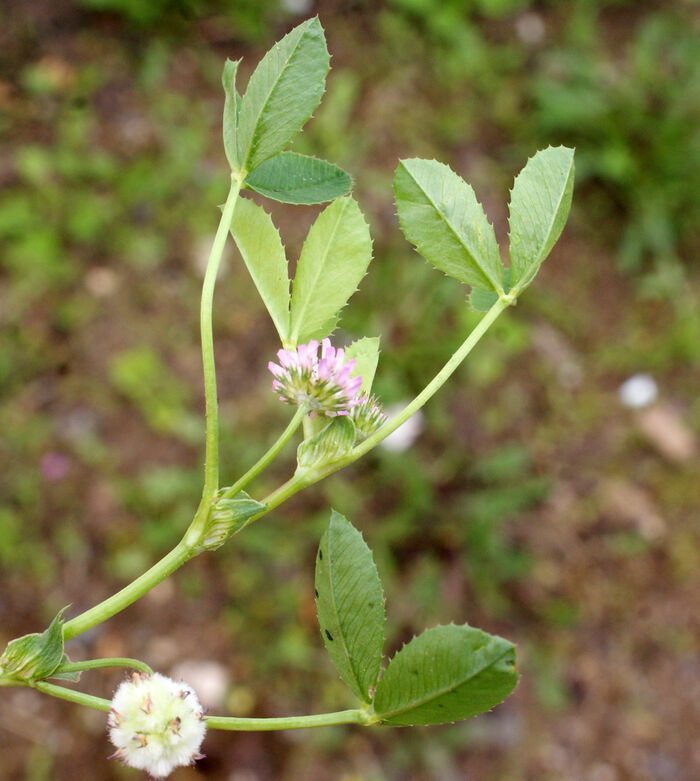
(533,503)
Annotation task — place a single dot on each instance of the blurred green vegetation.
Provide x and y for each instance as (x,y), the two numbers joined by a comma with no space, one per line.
(111,170)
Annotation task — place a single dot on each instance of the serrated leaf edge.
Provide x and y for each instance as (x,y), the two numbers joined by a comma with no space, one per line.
(496,289)
(415,704)
(519,286)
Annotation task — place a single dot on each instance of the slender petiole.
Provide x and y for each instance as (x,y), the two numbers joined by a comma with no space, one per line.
(437,382)
(355,716)
(269,456)
(211,458)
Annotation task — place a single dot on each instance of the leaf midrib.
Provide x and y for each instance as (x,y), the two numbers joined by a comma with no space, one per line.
(418,703)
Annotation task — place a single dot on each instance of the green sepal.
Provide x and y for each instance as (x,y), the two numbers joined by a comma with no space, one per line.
(299,179)
(331,443)
(227,516)
(446,674)
(350,606)
(35,656)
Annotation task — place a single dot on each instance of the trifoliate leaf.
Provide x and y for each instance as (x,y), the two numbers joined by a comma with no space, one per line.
(230,123)
(365,351)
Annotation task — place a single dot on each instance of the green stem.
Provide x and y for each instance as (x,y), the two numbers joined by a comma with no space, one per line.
(135,590)
(356,716)
(271,454)
(435,384)
(96,664)
(211,459)
(73,696)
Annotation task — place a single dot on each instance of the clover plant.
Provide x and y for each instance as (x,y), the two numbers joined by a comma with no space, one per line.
(447,673)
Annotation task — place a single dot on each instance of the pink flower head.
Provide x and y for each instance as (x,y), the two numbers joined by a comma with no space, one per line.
(324,384)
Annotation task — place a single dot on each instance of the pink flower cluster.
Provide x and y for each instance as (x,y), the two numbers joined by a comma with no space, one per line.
(323,385)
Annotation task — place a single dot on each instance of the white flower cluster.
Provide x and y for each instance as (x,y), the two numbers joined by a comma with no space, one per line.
(156,724)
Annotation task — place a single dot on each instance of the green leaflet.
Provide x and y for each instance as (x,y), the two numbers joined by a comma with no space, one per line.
(333,260)
(230,123)
(539,205)
(446,674)
(35,656)
(261,247)
(365,351)
(282,93)
(350,605)
(439,214)
(293,178)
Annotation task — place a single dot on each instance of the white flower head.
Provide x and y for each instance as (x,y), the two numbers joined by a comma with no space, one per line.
(156,724)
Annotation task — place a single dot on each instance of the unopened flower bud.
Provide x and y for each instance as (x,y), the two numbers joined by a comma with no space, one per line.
(156,724)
